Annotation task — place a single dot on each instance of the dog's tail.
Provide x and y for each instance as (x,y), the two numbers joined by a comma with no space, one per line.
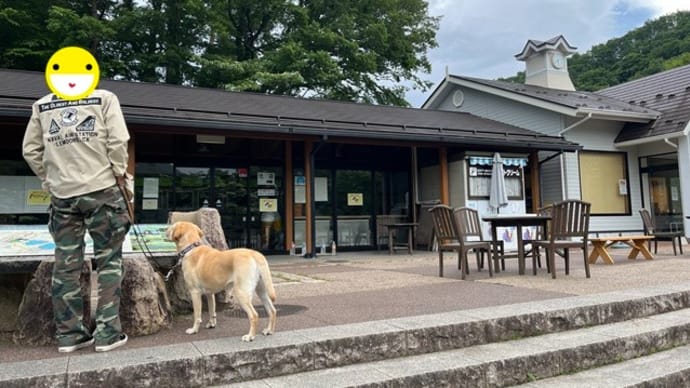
(266,278)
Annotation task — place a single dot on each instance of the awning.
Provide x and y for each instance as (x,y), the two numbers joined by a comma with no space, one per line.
(488,161)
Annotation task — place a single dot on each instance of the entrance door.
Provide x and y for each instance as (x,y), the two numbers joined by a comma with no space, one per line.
(232,201)
(664,191)
(354,201)
(246,198)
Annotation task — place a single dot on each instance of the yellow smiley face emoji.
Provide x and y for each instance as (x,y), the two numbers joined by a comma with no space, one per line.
(72,73)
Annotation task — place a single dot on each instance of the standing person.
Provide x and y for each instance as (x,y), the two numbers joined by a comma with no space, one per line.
(76,143)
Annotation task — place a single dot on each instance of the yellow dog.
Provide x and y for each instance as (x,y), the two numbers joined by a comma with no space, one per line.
(207,270)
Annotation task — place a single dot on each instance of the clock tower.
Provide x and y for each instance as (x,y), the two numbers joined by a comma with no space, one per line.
(546,63)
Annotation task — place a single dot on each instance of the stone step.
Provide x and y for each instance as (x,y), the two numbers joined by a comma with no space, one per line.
(670,368)
(507,363)
(228,360)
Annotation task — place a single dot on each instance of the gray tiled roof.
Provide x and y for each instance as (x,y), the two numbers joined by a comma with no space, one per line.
(667,92)
(570,99)
(218,110)
(534,45)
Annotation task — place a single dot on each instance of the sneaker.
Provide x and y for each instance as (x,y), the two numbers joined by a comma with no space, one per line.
(114,343)
(70,348)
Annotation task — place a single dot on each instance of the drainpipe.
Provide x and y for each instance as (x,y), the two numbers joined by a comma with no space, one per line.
(669,142)
(312,161)
(575,124)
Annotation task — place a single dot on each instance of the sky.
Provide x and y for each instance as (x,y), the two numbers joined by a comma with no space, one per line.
(479,38)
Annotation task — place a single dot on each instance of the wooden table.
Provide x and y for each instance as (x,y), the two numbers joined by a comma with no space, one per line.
(517,220)
(392,231)
(638,244)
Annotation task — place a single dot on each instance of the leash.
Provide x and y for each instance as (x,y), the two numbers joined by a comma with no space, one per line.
(128,196)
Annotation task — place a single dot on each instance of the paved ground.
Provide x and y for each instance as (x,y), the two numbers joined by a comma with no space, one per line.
(365,286)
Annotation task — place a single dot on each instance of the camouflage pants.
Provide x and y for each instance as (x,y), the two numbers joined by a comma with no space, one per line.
(104,215)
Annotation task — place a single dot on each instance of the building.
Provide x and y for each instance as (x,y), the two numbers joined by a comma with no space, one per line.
(278,169)
(634,136)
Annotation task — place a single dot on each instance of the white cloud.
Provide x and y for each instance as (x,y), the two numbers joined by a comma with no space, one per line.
(479,38)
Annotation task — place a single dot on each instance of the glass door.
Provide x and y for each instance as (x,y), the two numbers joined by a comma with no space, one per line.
(231,200)
(192,188)
(354,202)
(664,192)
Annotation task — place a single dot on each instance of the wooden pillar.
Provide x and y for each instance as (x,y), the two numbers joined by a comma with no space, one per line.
(533,162)
(443,170)
(309,178)
(289,197)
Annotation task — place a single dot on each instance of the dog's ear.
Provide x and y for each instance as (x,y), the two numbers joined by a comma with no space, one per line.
(174,232)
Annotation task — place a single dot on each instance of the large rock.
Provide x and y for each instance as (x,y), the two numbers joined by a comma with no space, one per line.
(144,305)
(35,323)
(144,308)
(208,220)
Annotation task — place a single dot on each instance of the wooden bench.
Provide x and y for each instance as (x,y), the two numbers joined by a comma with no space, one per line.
(637,243)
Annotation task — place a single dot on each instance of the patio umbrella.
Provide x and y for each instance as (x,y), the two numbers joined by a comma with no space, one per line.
(498,197)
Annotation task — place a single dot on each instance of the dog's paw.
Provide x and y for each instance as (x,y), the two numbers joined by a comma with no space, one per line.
(191,330)
(211,325)
(267,332)
(247,338)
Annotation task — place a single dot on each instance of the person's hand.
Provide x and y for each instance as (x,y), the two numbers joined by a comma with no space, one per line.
(120,180)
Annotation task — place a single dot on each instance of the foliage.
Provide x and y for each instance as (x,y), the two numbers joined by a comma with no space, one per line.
(658,45)
(354,50)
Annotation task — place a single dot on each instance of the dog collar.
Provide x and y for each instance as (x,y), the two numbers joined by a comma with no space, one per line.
(188,248)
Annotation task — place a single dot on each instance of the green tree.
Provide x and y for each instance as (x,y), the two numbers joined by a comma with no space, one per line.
(156,42)
(23,38)
(658,45)
(354,50)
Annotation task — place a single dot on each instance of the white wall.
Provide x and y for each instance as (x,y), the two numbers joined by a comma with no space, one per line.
(599,135)
(684,174)
(506,111)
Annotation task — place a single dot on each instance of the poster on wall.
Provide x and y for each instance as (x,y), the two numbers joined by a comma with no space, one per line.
(151,187)
(268,205)
(355,199)
(300,194)
(22,194)
(149,204)
(37,198)
(321,189)
(265,178)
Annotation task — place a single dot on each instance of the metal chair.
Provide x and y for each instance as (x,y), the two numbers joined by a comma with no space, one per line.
(569,228)
(452,232)
(651,230)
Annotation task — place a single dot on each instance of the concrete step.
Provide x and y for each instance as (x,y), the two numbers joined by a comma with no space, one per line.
(507,363)
(670,368)
(228,360)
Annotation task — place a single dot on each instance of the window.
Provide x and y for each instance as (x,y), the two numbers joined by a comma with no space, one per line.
(479,181)
(604,182)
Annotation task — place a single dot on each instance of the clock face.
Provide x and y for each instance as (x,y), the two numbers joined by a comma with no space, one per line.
(557,60)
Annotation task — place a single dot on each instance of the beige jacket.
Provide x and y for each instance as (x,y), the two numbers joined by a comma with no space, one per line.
(77,147)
